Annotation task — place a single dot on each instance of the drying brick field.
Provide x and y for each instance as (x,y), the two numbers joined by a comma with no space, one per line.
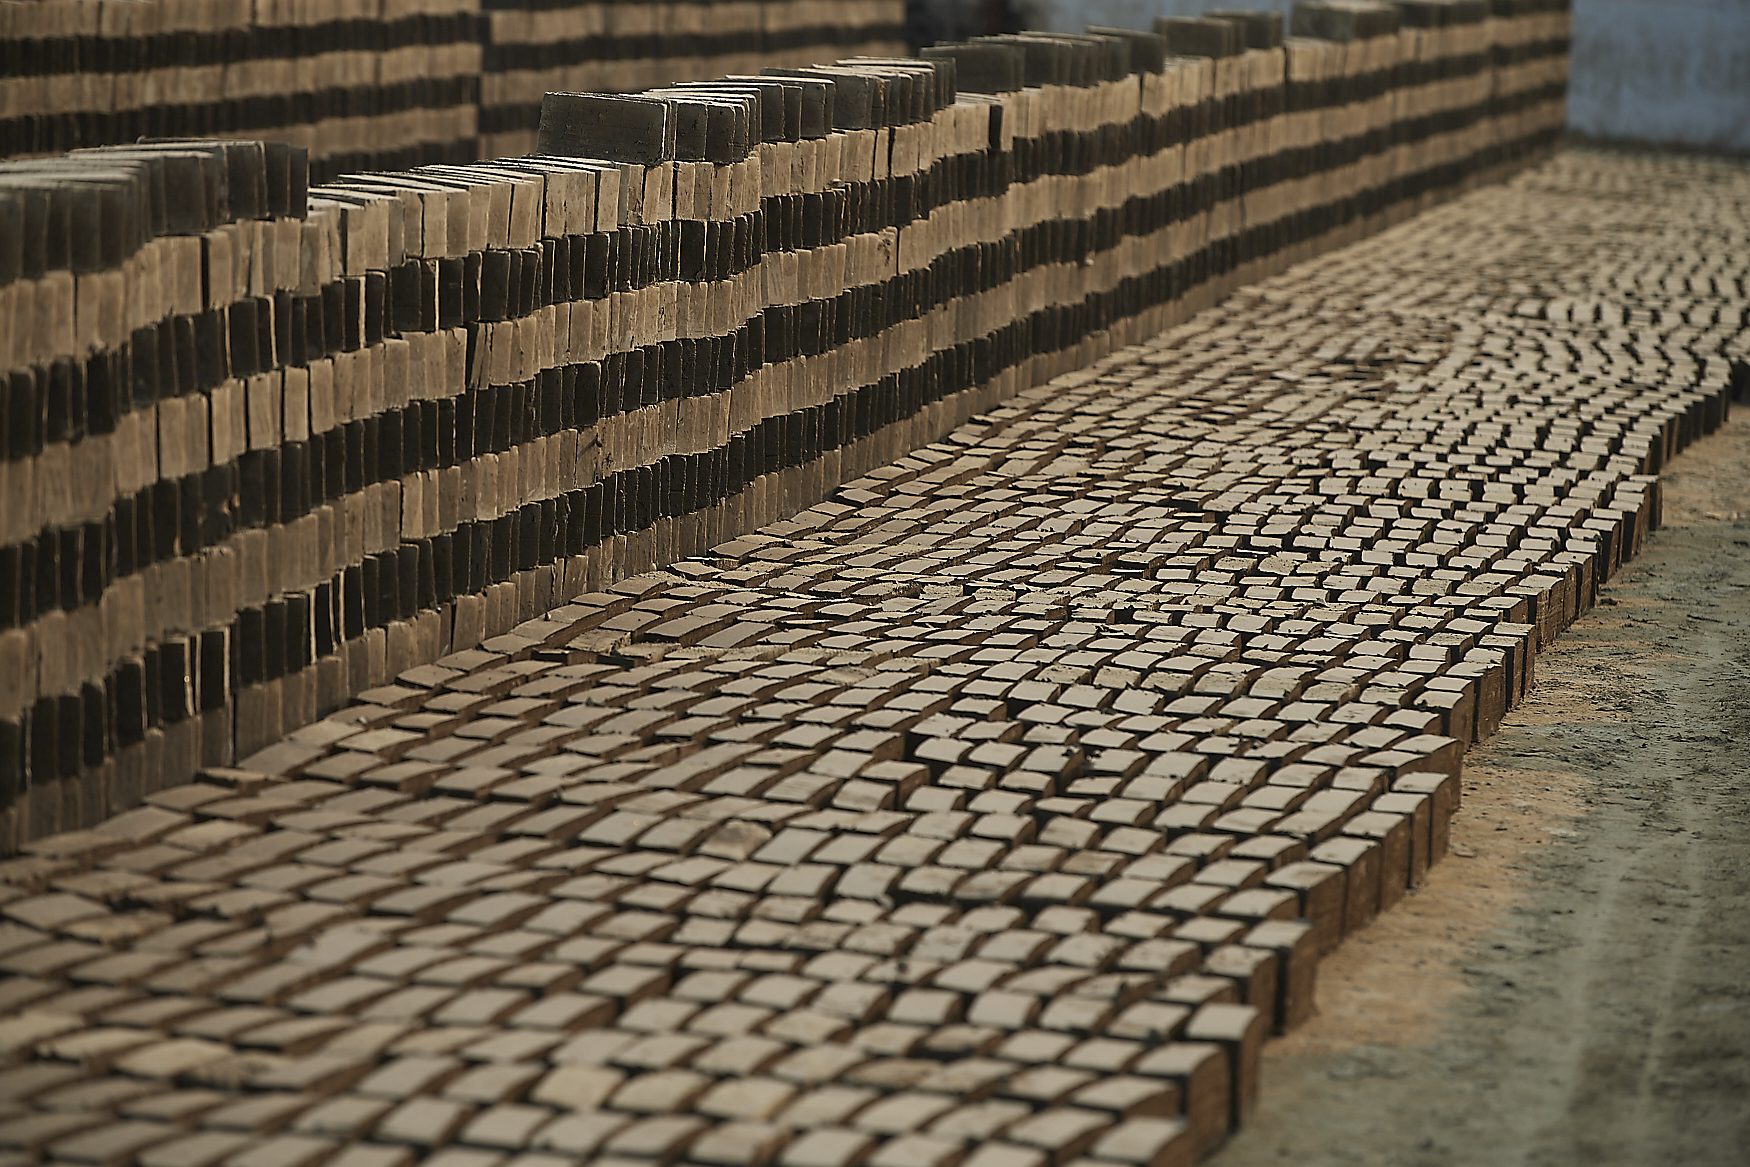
(993,811)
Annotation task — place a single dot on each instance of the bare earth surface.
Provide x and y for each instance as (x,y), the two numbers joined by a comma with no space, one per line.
(1574,991)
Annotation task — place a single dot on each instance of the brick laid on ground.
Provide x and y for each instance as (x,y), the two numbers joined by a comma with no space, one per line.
(973,811)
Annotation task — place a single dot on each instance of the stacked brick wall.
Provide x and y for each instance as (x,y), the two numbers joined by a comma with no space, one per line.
(271,445)
(375,84)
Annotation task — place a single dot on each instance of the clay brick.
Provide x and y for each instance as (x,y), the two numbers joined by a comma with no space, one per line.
(1153,1141)
(1322,890)
(1201,1071)
(1361,859)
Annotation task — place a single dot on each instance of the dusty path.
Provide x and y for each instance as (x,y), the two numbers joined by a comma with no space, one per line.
(1577,989)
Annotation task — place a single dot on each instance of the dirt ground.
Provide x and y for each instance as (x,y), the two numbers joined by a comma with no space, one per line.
(1572,986)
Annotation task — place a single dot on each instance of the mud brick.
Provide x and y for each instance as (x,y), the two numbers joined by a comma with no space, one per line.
(201,1149)
(1199,35)
(1393,834)
(1426,752)
(1254,970)
(1240,1029)
(1443,792)
(1492,693)
(1312,825)
(1367,781)
(110,1142)
(1518,642)
(1003,1010)
(1202,1073)
(1233,874)
(1322,889)
(902,1113)
(480,1007)
(1415,810)
(259,1115)
(1189,899)
(1363,861)
(1297,963)
(755,1099)
(1012,946)
(1061,1133)
(286,1150)
(922,1150)
(1273,851)
(424,1122)
(1155,1141)
(406,1077)
(1077,1014)
(1260,903)
(506,1127)
(319,1073)
(576,1087)
(829,1104)
(1207,932)
(827,1147)
(981,1120)
(580,1134)
(660,1092)
(738,1143)
(1181,818)
(926,1007)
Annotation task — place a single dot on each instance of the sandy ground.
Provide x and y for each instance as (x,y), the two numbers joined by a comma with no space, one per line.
(1572,986)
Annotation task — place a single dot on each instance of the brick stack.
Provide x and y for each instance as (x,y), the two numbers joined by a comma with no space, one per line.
(341,433)
(357,84)
(139,291)
(533,49)
(991,810)
(377,84)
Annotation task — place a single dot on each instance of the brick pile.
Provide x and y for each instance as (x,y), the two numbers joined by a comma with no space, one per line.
(991,811)
(530,50)
(377,84)
(315,437)
(360,83)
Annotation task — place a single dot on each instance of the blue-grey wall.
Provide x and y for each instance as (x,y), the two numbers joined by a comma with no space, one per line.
(1675,71)
(1670,71)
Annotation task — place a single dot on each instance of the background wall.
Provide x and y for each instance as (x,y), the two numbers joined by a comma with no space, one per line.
(1672,71)
(1667,71)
